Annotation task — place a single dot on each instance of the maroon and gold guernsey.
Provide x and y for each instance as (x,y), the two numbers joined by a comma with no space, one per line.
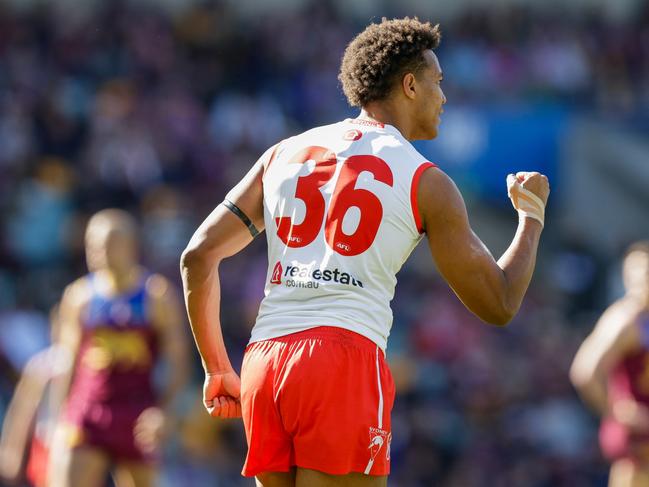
(113,377)
(628,381)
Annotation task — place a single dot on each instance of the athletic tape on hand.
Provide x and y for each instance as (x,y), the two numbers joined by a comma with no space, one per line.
(524,201)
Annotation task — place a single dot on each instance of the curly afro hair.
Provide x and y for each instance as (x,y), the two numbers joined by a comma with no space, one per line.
(376,56)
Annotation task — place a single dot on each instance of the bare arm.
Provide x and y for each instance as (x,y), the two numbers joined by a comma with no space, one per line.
(613,337)
(168,320)
(221,235)
(74,298)
(166,317)
(19,419)
(491,289)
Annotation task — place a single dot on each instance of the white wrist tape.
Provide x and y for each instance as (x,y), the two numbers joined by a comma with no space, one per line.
(524,201)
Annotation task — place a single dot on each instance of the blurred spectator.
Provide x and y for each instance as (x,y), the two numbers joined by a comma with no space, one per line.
(36,231)
(166,227)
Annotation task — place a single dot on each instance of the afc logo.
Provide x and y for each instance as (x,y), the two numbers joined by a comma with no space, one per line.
(276,278)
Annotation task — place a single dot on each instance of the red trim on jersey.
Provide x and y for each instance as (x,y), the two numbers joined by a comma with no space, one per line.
(414,187)
(364,121)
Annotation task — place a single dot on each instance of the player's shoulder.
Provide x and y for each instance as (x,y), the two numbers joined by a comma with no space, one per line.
(328,130)
(51,362)
(631,308)
(349,130)
(389,144)
(437,190)
(163,302)
(621,317)
(316,136)
(625,307)
(383,141)
(158,287)
(79,291)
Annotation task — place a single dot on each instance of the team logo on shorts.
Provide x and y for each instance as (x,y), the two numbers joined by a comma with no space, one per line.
(353,134)
(378,439)
(276,278)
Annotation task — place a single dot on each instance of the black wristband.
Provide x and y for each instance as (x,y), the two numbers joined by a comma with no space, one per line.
(242,216)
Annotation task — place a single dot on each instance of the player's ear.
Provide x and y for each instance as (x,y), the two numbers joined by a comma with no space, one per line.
(408,83)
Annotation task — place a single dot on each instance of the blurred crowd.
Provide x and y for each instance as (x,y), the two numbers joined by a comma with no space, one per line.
(160,115)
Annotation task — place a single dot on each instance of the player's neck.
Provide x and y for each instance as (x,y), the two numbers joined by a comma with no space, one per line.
(640,298)
(644,299)
(384,112)
(118,282)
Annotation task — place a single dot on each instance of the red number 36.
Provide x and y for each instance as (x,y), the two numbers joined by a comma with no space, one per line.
(345,195)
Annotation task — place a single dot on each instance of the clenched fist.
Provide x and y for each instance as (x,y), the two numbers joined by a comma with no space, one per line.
(221,392)
(535,182)
(529,193)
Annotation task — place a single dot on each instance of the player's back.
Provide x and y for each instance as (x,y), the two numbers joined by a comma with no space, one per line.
(341,219)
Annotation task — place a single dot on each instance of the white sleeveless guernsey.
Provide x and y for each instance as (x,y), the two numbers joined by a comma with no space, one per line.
(340,209)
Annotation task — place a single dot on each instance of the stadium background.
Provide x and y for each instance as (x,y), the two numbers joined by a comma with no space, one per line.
(160,107)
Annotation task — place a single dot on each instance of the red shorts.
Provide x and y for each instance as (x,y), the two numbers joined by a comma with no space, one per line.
(318,399)
(39,454)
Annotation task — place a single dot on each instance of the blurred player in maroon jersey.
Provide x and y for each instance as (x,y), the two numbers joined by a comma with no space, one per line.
(118,322)
(611,372)
(343,206)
